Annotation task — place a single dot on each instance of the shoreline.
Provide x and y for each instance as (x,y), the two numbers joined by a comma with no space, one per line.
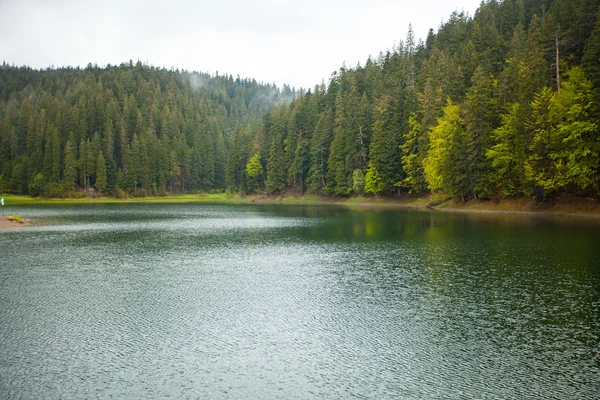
(565,206)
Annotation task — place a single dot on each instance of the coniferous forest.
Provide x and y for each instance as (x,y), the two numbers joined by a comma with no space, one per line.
(502,103)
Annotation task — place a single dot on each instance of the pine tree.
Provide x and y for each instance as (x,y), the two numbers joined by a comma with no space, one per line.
(414,150)
(507,154)
(100,173)
(358,182)
(385,152)
(52,156)
(319,152)
(70,166)
(591,56)
(446,163)
(481,119)
(276,173)
(85,162)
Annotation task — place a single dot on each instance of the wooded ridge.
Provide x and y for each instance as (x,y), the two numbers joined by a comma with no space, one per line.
(503,103)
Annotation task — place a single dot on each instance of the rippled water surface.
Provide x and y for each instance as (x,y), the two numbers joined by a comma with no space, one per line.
(295,302)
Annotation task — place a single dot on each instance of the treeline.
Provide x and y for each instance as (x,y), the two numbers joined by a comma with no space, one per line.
(130,129)
(503,103)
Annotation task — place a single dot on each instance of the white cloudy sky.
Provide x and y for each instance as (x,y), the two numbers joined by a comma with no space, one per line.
(299,42)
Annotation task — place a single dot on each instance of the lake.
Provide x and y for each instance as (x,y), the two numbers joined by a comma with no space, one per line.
(297,302)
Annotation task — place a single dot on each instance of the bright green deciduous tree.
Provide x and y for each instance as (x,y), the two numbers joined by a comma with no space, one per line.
(373,181)
(446,164)
(565,148)
(254,170)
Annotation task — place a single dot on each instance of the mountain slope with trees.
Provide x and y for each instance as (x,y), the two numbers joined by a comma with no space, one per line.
(502,103)
(124,130)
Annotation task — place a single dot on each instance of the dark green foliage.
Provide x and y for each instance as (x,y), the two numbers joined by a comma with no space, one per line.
(70,166)
(502,103)
(157,130)
(591,56)
(319,152)
(100,173)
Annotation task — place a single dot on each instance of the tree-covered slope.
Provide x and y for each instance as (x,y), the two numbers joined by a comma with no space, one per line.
(502,103)
(122,129)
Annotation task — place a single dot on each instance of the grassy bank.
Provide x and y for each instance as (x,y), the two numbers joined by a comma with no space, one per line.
(185,198)
(564,204)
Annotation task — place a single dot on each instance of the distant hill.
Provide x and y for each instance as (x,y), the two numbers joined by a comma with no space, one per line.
(123,129)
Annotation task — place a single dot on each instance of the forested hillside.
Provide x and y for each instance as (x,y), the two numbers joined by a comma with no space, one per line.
(124,130)
(502,103)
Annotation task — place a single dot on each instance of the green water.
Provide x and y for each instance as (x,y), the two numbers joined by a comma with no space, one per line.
(297,302)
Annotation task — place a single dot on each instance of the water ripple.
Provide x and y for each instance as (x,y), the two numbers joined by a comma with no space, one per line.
(268,302)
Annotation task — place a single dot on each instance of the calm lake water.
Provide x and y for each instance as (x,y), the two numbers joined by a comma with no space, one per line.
(297,302)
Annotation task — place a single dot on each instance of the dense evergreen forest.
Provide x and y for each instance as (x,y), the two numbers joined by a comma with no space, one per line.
(502,103)
(123,130)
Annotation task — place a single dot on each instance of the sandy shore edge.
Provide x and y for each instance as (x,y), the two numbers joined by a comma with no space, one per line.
(579,209)
(7,224)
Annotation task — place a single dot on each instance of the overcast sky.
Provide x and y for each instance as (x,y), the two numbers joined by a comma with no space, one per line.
(299,42)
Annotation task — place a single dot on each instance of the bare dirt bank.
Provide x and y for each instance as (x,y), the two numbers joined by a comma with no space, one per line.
(563,205)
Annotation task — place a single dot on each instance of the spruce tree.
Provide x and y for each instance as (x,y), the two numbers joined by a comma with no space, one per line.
(100,173)
(70,166)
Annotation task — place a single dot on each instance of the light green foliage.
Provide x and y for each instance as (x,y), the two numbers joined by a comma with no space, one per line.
(358,182)
(254,171)
(254,168)
(565,146)
(446,163)
(159,131)
(373,182)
